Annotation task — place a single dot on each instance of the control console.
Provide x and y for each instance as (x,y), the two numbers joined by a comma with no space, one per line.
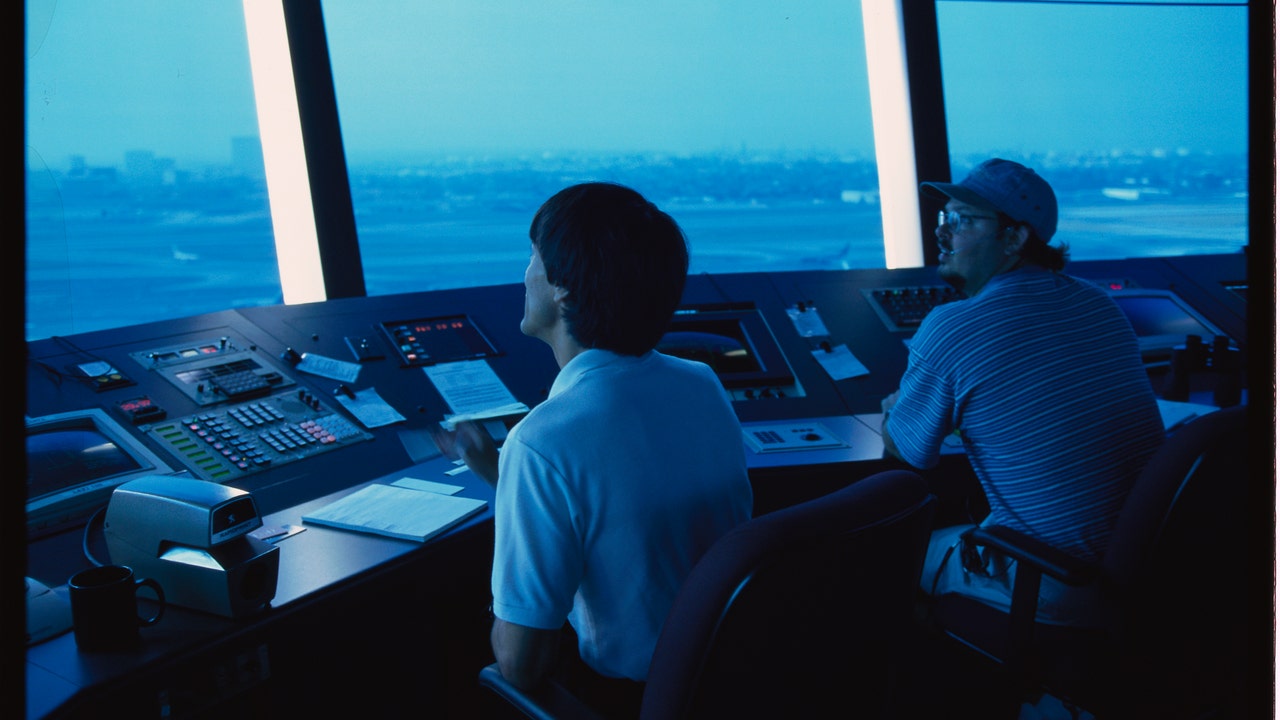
(226,443)
(214,371)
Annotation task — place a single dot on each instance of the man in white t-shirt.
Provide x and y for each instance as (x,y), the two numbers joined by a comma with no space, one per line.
(609,491)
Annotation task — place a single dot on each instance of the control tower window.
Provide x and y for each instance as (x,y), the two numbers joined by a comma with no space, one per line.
(145,195)
(749,122)
(1135,113)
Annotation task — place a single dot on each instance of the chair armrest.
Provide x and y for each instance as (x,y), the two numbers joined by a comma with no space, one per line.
(549,701)
(1025,549)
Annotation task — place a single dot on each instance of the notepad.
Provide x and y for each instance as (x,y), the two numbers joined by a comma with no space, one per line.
(396,512)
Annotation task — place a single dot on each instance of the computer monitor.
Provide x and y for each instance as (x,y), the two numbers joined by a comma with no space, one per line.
(734,340)
(74,461)
(1162,320)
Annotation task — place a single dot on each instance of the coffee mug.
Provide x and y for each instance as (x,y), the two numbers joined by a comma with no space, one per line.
(104,607)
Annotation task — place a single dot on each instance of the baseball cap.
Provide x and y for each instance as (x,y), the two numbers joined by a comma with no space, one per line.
(1006,186)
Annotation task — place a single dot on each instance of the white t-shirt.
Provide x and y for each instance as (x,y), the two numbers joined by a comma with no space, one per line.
(609,492)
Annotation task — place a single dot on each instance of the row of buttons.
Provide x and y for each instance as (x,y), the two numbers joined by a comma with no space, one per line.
(241,383)
(254,436)
(256,414)
(228,441)
(906,307)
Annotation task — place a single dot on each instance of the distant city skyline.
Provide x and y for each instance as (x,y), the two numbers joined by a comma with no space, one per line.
(239,156)
(103,248)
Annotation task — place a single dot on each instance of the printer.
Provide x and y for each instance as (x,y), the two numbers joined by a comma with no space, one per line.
(192,536)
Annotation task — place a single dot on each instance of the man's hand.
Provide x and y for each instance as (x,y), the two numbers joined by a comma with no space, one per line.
(470,443)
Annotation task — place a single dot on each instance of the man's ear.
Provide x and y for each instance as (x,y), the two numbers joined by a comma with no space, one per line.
(1014,238)
(560,295)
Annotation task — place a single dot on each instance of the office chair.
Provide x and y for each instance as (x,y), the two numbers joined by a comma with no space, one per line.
(800,612)
(1172,586)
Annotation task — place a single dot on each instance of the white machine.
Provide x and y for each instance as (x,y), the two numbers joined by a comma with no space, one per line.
(192,537)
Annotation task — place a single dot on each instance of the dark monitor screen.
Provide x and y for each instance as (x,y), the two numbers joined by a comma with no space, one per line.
(1156,315)
(58,457)
(1162,320)
(74,461)
(733,340)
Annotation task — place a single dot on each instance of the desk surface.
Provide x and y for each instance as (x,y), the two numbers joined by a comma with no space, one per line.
(319,561)
(313,562)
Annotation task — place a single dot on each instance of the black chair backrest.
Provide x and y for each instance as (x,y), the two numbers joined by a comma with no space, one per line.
(1177,563)
(799,612)
(1194,483)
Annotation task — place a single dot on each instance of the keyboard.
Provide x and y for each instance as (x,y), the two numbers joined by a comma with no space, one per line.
(241,384)
(903,308)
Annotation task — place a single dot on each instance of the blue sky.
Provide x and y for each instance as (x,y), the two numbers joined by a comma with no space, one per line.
(688,76)
(675,75)
(1100,77)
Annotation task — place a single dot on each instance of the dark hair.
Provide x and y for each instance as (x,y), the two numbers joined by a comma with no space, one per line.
(1035,250)
(621,259)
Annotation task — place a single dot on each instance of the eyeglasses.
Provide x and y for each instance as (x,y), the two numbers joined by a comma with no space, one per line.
(959,222)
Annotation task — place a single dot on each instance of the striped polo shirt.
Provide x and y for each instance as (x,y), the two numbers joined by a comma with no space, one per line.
(1040,373)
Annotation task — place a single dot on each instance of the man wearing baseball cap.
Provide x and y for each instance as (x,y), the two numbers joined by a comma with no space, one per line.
(1040,375)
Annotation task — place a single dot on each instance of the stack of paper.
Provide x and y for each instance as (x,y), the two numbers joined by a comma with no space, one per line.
(397,512)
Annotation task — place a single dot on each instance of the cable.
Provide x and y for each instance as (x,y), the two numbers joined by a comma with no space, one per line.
(84,541)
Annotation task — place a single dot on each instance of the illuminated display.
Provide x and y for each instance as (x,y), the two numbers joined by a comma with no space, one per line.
(426,341)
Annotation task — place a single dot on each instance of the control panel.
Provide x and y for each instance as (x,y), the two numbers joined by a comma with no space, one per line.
(212,396)
(427,341)
(228,442)
(214,371)
(903,308)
